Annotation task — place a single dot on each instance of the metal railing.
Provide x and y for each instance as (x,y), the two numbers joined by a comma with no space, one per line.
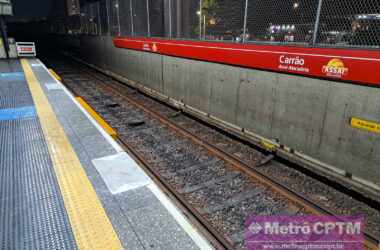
(345,23)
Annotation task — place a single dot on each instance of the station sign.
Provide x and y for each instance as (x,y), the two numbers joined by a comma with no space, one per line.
(337,64)
(26,49)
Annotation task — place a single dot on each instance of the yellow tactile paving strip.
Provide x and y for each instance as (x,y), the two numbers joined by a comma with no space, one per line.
(90,224)
(97,118)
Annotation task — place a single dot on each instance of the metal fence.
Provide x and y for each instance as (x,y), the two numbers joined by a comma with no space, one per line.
(343,23)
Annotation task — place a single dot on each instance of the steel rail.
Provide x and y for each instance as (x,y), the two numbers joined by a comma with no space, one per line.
(217,240)
(243,167)
(371,242)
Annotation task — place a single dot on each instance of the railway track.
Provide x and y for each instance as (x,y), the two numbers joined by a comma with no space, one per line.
(218,180)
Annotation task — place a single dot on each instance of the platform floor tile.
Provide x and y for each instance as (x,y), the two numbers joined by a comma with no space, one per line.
(7,102)
(89,221)
(139,218)
(90,144)
(32,209)
(14,92)
(7,66)
(152,221)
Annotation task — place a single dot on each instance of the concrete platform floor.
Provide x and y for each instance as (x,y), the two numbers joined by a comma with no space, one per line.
(141,216)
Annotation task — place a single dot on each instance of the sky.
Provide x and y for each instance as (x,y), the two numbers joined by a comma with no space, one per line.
(32,8)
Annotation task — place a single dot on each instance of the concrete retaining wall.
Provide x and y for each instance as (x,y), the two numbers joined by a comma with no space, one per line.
(308,115)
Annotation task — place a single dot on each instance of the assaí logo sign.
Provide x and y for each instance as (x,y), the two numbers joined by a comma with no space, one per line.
(335,68)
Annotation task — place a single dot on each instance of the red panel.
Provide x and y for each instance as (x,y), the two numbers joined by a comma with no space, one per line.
(361,66)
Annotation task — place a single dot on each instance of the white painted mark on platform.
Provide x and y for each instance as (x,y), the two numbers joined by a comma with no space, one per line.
(53,86)
(121,173)
(36,64)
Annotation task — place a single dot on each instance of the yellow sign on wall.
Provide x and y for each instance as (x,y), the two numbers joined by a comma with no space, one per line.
(365,125)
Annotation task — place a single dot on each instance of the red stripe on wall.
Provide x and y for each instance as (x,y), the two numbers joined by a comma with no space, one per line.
(362,66)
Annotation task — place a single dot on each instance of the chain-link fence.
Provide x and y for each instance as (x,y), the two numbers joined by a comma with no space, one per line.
(84,19)
(223,20)
(185,19)
(281,21)
(140,17)
(349,23)
(343,23)
(125,20)
(104,17)
(156,16)
(93,18)
(113,10)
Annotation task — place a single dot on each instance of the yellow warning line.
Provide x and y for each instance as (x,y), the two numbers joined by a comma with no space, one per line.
(100,120)
(56,76)
(90,224)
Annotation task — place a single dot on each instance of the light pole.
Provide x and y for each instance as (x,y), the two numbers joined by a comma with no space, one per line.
(245,21)
(316,26)
(200,19)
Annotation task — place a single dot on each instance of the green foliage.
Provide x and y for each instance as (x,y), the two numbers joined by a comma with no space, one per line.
(209,6)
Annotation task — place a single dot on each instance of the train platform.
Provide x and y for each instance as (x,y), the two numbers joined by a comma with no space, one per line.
(65,183)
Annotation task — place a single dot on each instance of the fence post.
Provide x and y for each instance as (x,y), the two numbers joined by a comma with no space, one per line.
(170,19)
(200,19)
(99,20)
(245,21)
(108,17)
(148,16)
(118,17)
(131,11)
(317,22)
